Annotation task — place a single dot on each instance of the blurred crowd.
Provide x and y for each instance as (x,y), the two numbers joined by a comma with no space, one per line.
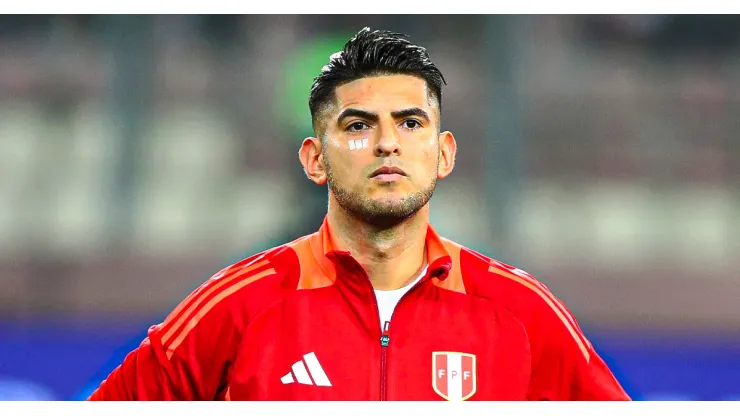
(138,155)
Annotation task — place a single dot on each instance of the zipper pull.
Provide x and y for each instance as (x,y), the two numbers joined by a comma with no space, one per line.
(385,339)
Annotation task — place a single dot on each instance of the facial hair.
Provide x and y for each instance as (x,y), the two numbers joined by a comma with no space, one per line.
(378,213)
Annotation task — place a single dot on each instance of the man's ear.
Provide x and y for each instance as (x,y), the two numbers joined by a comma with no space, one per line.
(447,150)
(312,160)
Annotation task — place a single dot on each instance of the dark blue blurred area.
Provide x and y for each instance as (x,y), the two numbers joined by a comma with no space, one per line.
(48,360)
(62,360)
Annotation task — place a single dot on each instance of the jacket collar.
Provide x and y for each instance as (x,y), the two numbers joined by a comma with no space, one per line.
(325,251)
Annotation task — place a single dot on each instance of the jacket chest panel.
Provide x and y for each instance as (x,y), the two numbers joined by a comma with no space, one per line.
(470,351)
(314,347)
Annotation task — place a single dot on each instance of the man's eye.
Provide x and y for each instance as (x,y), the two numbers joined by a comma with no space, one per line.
(411,124)
(358,126)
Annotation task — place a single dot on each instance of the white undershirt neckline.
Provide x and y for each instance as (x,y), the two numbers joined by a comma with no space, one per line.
(388,299)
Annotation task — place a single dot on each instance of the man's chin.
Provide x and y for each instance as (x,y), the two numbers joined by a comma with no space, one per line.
(385,219)
(389,204)
(386,212)
(382,209)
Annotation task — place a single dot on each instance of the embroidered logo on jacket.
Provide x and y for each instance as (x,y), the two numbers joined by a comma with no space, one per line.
(453,375)
(307,371)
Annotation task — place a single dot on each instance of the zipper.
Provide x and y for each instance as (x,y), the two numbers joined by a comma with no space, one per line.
(385,339)
(385,336)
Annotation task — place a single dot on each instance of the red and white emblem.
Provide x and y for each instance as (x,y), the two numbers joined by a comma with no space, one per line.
(453,375)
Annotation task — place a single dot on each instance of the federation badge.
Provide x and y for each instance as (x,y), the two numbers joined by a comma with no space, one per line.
(453,375)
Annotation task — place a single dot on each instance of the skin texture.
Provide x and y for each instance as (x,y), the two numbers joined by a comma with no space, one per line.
(383,220)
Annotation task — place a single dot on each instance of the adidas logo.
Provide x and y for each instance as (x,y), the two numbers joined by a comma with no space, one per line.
(313,375)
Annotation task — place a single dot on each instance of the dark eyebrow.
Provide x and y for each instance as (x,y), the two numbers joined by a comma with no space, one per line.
(354,112)
(408,112)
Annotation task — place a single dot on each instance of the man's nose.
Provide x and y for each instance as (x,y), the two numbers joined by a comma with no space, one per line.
(388,143)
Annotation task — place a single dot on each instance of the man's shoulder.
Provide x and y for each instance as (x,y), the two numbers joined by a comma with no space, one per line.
(484,273)
(236,293)
(487,277)
(526,297)
(263,276)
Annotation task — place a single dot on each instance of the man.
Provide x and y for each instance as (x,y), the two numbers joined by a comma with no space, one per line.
(375,305)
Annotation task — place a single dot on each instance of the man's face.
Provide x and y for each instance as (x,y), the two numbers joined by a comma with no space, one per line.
(381,147)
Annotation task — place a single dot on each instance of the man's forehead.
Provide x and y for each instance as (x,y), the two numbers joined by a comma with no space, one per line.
(383,93)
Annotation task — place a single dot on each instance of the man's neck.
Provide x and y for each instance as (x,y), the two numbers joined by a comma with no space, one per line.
(393,256)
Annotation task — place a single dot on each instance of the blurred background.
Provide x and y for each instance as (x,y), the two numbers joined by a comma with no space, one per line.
(141,154)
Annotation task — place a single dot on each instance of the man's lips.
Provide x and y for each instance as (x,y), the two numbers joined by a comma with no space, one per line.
(388,170)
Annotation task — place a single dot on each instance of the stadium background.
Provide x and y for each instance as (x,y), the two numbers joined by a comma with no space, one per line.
(139,155)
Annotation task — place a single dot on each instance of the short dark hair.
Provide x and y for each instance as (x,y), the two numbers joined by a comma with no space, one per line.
(373,53)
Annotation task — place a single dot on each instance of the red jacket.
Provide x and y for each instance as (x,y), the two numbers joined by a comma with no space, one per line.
(300,322)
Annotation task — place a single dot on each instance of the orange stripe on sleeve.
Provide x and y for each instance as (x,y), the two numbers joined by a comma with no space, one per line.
(550,300)
(196,299)
(526,276)
(225,272)
(519,272)
(193,322)
(193,297)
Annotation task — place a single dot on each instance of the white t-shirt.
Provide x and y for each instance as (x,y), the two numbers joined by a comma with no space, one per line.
(388,299)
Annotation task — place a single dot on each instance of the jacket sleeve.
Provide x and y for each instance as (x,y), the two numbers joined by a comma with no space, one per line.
(565,365)
(144,374)
(594,381)
(187,357)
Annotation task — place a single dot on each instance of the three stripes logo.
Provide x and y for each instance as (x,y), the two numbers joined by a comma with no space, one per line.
(307,371)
